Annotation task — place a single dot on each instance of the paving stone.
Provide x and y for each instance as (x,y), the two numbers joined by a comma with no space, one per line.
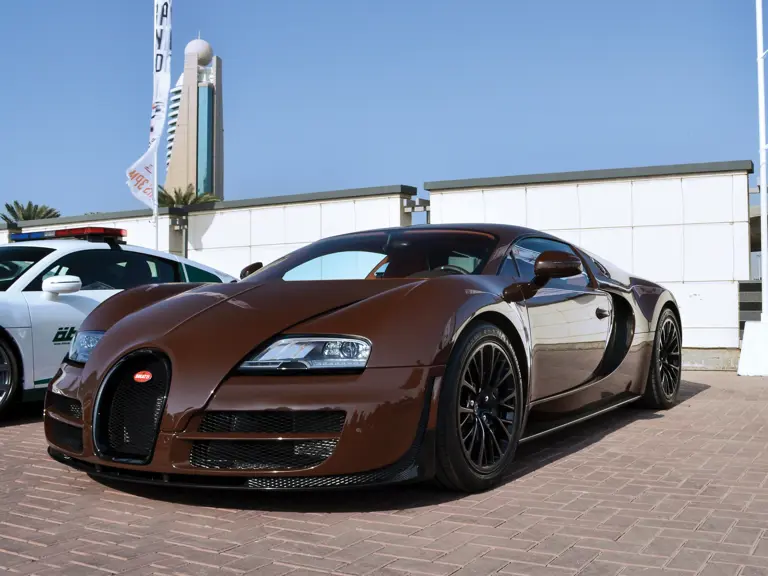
(681,492)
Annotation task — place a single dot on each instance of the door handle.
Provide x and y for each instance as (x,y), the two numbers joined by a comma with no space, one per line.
(602,313)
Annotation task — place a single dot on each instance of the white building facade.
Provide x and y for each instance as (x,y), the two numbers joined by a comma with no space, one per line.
(686,227)
(236,233)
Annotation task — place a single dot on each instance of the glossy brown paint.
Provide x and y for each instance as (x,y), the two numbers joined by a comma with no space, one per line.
(383,407)
(208,330)
(554,264)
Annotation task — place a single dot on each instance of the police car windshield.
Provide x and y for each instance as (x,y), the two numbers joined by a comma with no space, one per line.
(15,260)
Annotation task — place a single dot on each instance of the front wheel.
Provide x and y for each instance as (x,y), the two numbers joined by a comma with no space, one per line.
(666,364)
(10,376)
(480,411)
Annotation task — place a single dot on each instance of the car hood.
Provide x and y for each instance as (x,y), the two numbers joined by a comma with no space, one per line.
(207,331)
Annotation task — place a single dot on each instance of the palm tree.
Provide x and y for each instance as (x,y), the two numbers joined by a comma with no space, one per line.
(187,197)
(17,212)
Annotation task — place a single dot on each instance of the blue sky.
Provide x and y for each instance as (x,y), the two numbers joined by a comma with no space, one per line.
(343,93)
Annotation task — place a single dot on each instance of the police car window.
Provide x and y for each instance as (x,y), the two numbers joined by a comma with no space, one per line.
(111,270)
(15,260)
(198,275)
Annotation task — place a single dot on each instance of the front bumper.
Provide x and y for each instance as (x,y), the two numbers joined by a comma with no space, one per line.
(387,436)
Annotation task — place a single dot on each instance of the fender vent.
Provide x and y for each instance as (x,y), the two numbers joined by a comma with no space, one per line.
(65,406)
(65,436)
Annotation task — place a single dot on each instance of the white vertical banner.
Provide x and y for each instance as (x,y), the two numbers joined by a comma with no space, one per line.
(143,173)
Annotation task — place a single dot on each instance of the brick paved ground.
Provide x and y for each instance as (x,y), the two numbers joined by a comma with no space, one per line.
(679,493)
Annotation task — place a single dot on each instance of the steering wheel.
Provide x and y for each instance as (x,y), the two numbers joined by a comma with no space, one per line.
(452,268)
(8,270)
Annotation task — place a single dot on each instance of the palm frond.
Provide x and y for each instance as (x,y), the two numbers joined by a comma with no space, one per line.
(16,212)
(178,197)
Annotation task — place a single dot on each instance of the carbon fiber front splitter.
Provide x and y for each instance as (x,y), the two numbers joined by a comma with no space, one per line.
(417,464)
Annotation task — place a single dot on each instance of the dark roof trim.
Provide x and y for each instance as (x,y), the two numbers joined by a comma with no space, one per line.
(587,175)
(395,190)
(100,217)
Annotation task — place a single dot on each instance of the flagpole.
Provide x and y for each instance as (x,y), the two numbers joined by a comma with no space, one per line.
(753,360)
(763,186)
(156,207)
(155,170)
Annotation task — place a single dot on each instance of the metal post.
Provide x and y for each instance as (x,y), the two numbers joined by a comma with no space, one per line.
(763,187)
(156,210)
(753,360)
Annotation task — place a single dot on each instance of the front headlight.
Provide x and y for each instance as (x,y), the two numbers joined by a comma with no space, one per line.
(82,345)
(311,353)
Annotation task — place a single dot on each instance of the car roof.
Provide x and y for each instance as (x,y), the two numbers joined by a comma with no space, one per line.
(69,244)
(506,233)
(75,245)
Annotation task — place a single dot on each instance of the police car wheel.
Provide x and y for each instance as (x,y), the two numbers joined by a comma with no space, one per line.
(9,375)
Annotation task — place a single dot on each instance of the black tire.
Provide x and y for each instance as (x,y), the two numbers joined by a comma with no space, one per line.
(459,457)
(664,374)
(10,377)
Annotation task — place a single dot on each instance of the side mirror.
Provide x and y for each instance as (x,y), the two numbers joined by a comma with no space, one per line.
(556,264)
(250,269)
(56,285)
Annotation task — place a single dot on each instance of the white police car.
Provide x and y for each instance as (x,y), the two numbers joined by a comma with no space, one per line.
(50,281)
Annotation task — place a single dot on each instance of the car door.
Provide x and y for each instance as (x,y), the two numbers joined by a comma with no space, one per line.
(570,321)
(103,273)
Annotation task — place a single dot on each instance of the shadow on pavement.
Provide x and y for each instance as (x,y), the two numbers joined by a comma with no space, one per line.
(530,457)
(27,413)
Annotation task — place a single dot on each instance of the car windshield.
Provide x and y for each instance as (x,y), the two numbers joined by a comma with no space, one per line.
(414,253)
(15,260)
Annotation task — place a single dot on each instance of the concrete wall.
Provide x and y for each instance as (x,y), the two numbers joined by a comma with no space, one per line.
(689,232)
(235,234)
(230,235)
(685,226)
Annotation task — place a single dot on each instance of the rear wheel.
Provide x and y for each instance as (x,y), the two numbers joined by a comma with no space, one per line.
(10,376)
(480,411)
(666,364)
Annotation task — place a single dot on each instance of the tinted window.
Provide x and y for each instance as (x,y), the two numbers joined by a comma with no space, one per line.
(417,253)
(110,270)
(15,260)
(198,275)
(525,253)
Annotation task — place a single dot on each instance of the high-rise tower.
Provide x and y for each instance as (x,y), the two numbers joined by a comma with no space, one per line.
(195,152)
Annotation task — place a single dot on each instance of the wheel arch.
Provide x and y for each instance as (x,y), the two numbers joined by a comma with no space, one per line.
(505,325)
(665,300)
(672,305)
(15,349)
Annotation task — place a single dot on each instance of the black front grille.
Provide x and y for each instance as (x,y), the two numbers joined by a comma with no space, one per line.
(128,412)
(64,435)
(260,454)
(275,421)
(65,406)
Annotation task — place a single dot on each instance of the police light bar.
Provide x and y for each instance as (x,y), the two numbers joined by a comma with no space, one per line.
(89,232)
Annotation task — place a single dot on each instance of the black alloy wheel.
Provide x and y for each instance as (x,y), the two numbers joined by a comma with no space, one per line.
(666,364)
(480,411)
(487,406)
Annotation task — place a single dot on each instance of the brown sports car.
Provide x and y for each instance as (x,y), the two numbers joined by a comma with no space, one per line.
(364,359)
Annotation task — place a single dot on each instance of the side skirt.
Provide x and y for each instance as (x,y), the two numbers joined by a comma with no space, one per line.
(535,431)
